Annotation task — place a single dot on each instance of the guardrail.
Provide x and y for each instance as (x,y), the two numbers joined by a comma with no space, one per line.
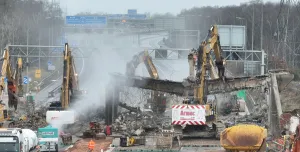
(48,80)
(141,32)
(53,92)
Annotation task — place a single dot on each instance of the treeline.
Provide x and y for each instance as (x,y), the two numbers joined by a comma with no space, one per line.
(39,19)
(278,23)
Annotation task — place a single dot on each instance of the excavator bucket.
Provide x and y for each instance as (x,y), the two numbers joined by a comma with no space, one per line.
(243,137)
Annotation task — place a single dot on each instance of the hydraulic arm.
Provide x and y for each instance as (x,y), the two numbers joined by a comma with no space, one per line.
(65,93)
(14,80)
(205,68)
(158,100)
(70,85)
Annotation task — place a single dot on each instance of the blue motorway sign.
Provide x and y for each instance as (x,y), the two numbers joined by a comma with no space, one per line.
(116,16)
(25,80)
(127,16)
(137,16)
(86,20)
(132,11)
(49,63)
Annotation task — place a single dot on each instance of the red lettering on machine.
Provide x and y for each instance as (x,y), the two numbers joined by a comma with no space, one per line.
(52,118)
(187,113)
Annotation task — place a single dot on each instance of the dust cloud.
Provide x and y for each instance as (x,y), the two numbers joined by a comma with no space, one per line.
(109,54)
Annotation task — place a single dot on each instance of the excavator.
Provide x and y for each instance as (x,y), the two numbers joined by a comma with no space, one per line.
(14,88)
(157,102)
(70,86)
(197,115)
(69,91)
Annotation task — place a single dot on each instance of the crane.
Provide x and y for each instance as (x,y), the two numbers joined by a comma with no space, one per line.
(157,100)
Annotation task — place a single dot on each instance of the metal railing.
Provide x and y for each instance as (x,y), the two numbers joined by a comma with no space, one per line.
(48,80)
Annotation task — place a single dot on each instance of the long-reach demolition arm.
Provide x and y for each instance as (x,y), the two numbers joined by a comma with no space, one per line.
(70,84)
(140,58)
(65,91)
(158,100)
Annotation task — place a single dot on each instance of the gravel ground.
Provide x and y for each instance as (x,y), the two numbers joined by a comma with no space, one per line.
(82,145)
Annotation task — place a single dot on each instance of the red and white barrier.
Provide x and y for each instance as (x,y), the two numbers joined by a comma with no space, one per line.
(188,115)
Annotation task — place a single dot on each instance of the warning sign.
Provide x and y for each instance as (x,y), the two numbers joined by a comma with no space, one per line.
(38,73)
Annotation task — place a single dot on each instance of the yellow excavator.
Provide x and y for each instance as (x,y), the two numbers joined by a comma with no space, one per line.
(195,117)
(70,85)
(157,102)
(14,88)
(242,137)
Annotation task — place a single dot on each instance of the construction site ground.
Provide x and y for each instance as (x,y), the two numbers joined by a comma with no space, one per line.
(81,145)
(187,145)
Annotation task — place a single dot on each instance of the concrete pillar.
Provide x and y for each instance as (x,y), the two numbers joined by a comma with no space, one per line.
(275,109)
(108,105)
(191,65)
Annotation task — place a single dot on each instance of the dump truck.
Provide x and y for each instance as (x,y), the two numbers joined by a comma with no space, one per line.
(244,137)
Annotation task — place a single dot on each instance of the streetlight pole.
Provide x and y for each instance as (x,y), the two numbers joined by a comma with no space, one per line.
(261,26)
(27,64)
(252,28)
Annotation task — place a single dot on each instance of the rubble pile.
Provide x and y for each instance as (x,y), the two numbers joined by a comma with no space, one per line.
(34,120)
(84,118)
(135,121)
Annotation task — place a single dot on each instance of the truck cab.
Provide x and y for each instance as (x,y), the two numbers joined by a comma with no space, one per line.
(11,139)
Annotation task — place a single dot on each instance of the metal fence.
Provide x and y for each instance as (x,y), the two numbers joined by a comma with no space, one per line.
(243,68)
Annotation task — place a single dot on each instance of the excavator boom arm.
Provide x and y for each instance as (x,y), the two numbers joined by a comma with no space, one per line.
(142,57)
(206,67)
(65,97)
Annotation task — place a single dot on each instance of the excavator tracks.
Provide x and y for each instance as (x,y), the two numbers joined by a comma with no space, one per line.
(219,127)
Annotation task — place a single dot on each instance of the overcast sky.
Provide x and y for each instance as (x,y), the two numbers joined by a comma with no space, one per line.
(152,6)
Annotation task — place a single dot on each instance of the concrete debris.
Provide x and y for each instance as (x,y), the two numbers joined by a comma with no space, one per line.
(131,123)
(33,119)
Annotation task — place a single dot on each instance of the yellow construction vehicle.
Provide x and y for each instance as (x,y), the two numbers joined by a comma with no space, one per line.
(70,85)
(14,88)
(157,102)
(195,117)
(244,137)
